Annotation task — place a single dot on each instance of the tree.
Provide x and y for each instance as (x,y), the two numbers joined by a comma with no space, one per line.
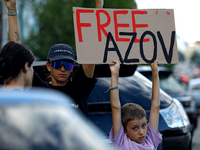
(55,23)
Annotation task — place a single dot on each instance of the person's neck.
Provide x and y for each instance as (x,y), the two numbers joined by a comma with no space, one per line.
(14,84)
(56,83)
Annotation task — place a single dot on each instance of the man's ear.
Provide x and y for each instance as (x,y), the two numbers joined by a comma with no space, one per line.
(48,67)
(147,121)
(26,67)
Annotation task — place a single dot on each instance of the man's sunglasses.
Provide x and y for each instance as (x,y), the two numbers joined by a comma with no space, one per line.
(59,64)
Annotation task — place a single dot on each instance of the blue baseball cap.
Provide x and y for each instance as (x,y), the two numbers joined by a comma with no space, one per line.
(60,52)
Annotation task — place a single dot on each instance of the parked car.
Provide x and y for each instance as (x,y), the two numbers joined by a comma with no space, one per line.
(194,89)
(172,87)
(44,120)
(174,124)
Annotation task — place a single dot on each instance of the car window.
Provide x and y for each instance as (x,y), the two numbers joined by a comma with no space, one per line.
(195,86)
(196,93)
(133,89)
(98,94)
(46,126)
(170,85)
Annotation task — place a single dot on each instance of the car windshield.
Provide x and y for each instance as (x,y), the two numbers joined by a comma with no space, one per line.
(196,92)
(51,124)
(170,85)
(195,87)
(133,89)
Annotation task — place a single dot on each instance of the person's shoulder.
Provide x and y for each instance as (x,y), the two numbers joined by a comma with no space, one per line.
(8,91)
(152,136)
(150,128)
(119,136)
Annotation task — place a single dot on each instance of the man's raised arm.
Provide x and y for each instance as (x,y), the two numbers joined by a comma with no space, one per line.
(14,33)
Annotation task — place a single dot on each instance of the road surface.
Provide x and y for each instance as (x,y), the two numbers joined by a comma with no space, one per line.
(196,137)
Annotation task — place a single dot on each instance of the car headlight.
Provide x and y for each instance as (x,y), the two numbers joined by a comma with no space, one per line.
(175,115)
(182,111)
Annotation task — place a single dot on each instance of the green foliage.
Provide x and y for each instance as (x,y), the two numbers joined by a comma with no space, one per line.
(195,57)
(55,22)
(124,4)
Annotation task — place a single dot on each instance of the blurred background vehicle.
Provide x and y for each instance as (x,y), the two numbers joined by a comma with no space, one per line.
(194,89)
(174,124)
(172,87)
(43,119)
(184,71)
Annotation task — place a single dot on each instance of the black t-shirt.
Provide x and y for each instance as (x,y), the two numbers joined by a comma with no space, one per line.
(78,89)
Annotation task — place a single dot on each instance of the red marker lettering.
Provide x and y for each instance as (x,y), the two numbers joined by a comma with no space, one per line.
(117,25)
(100,27)
(168,13)
(156,11)
(138,25)
(79,24)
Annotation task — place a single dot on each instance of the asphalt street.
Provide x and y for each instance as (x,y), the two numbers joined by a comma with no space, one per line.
(196,137)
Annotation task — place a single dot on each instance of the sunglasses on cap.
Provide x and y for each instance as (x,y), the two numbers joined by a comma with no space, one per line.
(59,64)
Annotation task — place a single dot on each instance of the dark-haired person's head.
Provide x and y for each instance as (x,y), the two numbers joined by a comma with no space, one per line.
(15,60)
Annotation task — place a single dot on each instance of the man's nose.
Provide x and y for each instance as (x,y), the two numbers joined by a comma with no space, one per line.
(62,68)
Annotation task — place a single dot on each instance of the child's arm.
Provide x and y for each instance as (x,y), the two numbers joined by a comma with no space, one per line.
(114,97)
(155,99)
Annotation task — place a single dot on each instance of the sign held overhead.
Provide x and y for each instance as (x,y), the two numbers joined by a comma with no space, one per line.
(128,35)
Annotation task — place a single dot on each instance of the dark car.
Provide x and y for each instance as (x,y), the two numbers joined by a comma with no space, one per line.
(44,120)
(174,124)
(172,87)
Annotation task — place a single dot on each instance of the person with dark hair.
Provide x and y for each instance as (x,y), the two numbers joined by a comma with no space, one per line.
(16,66)
(60,63)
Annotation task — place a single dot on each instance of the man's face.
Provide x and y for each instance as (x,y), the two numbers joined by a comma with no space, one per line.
(59,76)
